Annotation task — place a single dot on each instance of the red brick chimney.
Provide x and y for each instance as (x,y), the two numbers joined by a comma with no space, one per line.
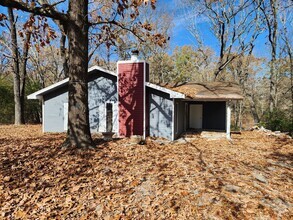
(132,75)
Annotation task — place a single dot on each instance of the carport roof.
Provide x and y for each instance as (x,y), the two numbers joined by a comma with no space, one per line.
(212,91)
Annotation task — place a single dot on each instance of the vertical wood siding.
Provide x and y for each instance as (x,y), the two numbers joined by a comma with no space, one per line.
(131,98)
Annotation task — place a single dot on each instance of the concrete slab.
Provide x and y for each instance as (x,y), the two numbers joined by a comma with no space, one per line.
(213,135)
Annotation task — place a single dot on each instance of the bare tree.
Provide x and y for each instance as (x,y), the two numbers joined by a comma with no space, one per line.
(233,23)
(273,12)
(245,69)
(270,10)
(286,21)
(4,60)
(158,21)
(46,66)
(19,67)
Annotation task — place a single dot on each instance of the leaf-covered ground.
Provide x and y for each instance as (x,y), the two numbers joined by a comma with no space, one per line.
(193,178)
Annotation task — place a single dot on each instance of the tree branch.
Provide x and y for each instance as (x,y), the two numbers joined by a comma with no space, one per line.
(113,22)
(44,10)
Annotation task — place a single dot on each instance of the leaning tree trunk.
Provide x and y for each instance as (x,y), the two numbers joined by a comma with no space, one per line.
(78,115)
(23,72)
(291,83)
(18,101)
(64,55)
(62,48)
(273,43)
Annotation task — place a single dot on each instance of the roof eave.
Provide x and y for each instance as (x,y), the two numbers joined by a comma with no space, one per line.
(39,94)
(219,99)
(102,70)
(173,94)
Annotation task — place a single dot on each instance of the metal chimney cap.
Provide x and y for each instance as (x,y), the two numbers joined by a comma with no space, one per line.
(135,52)
(134,55)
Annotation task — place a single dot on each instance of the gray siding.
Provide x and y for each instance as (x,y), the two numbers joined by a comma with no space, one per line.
(54,110)
(102,89)
(161,114)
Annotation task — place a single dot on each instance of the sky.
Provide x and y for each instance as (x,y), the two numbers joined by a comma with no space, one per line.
(181,36)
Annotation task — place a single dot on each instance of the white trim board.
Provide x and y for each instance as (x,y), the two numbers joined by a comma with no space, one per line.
(173,94)
(118,101)
(102,70)
(38,94)
(43,115)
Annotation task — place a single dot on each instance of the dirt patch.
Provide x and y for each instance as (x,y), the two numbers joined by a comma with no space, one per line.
(248,178)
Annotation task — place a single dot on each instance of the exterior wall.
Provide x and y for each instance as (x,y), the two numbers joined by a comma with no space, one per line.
(102,90)
(180,118)
(53,108)
(162,117)
(160,114)
(131,96)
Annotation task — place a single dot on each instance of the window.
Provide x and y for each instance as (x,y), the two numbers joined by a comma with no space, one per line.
(109,117)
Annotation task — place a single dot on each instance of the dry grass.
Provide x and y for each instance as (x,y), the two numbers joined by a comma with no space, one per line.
(249,178)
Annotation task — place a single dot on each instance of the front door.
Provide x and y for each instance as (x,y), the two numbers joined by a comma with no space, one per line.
(195,116)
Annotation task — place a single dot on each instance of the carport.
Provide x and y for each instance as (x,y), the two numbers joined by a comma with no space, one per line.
(205,108)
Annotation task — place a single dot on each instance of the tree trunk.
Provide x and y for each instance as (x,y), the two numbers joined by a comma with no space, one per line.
(18,100)
(273,43)
(64,55)
(23,72)
(253,110)
(291,80)
(63,52)
(78,134)
(238,115)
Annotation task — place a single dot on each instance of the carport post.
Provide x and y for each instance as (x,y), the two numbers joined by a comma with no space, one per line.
(228,120)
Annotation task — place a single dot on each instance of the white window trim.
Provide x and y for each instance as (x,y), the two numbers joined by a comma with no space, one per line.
(105,113)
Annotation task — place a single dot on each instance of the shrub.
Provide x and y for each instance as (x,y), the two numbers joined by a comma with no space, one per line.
(33,108)
(278,120)
(6,102)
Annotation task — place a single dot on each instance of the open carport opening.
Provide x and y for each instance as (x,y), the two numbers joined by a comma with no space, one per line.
(208,116)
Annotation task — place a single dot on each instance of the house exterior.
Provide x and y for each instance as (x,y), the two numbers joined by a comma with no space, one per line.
(128,104)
